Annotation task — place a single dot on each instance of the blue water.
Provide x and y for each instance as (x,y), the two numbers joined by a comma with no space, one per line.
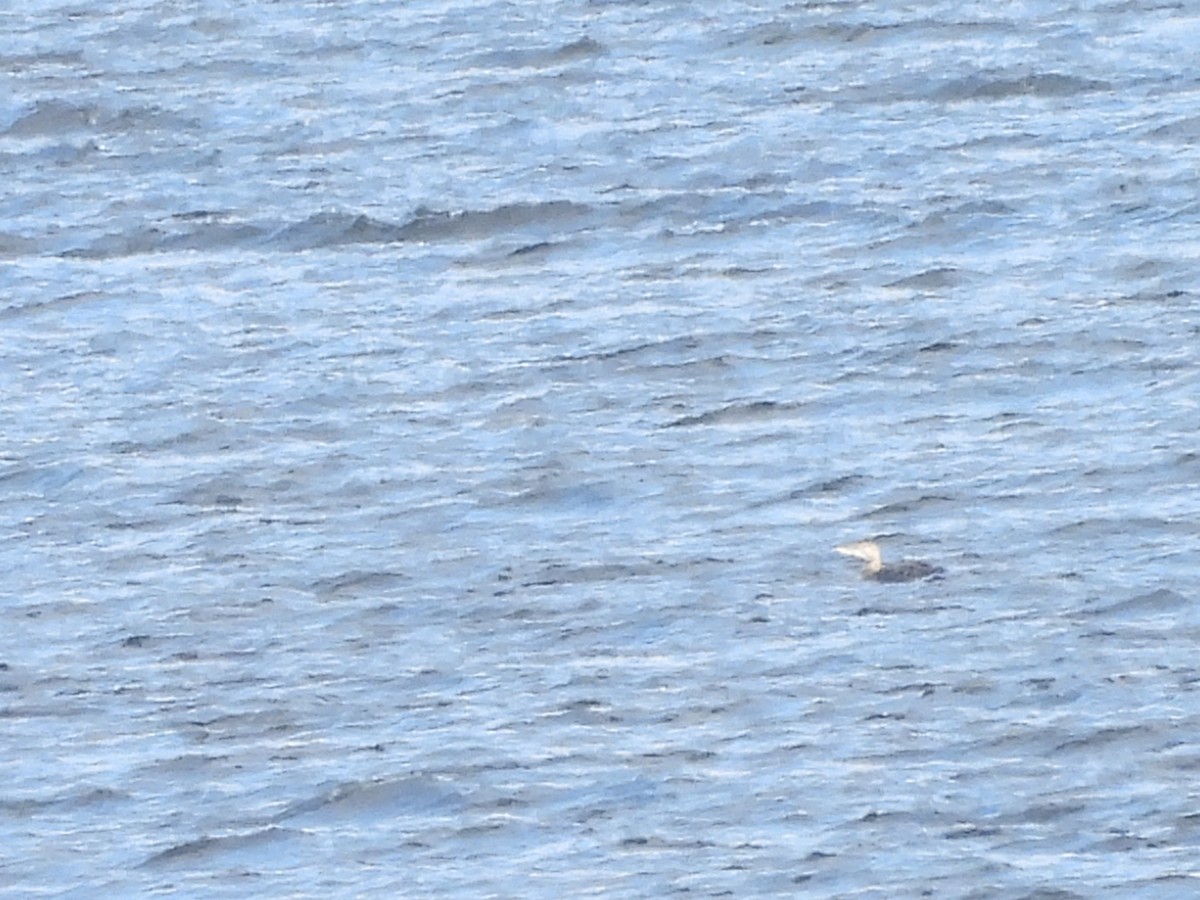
(424,430)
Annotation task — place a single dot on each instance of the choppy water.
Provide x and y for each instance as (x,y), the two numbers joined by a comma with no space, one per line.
(424,428)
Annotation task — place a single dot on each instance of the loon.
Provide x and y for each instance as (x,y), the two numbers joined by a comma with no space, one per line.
(905,570)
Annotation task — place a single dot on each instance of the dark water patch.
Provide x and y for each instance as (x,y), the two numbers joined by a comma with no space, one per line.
(677,350)
(585,712)
(1185,131)
(204,849)
(1156,602)
(964,830)
(76,798)
(912,609)
(1102,737)
(903,507)
(333,229)
(1190,823)
(329,229)
(356,581)
(538,249)
(1044,697)
(162,238)
(1042,813)
(655,843)
(1081,530)
(1039,85)
(211,235)
(221,493)
(202,215)
(381,800)
(552,216)
(766,34)
(234,727)
(739,414)
(52,305)
(976,208)
(823,486)
(974,685)
(540,57)
(920,688)
(15,245)
(1168,298)
(939,347)
(856,32)
(1122,842)
(930,280)
(55,117)
(561,573)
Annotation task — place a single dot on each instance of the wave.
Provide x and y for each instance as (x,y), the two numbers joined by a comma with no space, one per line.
(528,222)
(1041,85)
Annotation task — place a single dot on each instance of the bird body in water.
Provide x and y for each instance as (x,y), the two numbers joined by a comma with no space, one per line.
(875,570)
